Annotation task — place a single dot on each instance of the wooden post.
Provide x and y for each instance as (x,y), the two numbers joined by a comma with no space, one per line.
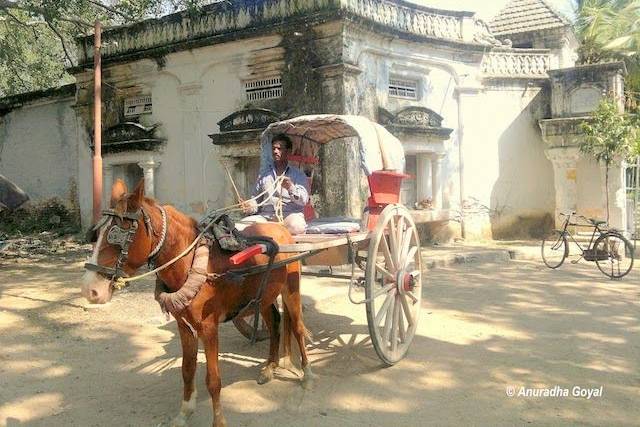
(97,124)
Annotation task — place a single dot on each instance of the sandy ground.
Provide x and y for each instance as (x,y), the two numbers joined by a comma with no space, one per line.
(483,328)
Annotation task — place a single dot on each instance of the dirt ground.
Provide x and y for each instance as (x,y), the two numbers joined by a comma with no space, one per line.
(483,328)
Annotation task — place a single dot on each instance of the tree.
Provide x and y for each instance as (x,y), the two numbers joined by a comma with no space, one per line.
(609,138)
(609,30)
(36,36)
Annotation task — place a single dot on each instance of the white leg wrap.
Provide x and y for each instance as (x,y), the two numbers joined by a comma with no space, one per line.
(186,409)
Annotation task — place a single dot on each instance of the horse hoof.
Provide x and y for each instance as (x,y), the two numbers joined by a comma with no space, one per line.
(308,378)
(179,421)
(266,375)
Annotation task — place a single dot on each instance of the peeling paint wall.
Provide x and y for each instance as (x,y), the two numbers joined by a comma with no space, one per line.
(38,150)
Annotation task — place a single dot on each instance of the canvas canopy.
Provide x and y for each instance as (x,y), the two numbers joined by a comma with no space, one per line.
(379,149)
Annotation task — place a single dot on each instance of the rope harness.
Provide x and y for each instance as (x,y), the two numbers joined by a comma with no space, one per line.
(123,237)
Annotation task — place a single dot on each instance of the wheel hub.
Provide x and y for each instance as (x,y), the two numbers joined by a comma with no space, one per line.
(405,282)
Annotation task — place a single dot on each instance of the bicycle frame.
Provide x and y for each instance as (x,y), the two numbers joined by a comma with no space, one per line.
(597,232)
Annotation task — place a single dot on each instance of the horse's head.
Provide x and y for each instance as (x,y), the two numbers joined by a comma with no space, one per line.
(123,242)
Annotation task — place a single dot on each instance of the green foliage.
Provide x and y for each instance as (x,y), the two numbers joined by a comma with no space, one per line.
(37,36)
(609,135)
(609,30)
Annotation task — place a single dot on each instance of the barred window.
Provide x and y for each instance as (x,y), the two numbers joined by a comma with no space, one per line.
(262,89)
(402,88)
(137,105)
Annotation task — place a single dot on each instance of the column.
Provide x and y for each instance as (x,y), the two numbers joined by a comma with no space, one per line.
(617,195)
(148,167)
(423,178)
(107,183)
(436,180)
(564,160)
(190,99)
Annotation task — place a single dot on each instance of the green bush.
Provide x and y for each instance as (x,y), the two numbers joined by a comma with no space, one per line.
(50,215)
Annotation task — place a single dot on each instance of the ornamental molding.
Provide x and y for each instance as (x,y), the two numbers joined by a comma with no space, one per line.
(224,21)
(244,126)
(128,136)
(413,120)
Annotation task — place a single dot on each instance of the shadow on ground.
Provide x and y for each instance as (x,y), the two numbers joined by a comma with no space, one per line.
(482,328)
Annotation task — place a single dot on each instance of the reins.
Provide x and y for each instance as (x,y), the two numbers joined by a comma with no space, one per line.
(121,282)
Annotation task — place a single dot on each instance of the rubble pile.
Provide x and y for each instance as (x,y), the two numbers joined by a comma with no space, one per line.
(43,245)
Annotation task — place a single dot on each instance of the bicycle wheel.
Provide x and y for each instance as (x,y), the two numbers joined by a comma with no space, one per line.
(554,249)
(614,255)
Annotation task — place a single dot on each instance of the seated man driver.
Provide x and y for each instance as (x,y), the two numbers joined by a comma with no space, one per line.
(292,194)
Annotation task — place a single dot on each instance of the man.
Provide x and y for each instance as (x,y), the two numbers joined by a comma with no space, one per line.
(292,194)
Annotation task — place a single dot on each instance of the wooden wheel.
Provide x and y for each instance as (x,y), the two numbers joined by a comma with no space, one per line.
(393,285)
(244,324)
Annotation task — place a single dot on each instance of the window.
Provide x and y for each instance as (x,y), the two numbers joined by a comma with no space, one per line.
(403,88)
(261,89)
(137,105)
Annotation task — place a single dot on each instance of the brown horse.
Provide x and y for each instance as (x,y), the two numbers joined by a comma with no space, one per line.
(217,301)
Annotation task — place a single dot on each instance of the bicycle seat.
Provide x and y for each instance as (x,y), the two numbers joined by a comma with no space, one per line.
(597,221)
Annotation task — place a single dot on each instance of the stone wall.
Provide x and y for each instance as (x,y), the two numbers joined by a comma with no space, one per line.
(38,148)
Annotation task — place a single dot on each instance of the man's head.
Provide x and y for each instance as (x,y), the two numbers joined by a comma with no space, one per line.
(280,147)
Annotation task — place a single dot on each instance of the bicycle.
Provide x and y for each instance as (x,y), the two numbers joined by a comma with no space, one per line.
(608,248)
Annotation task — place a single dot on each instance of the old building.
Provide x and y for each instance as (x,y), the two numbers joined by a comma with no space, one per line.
(476,106)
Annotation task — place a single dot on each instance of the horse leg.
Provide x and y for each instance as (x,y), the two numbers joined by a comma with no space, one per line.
(271,317)
(214,384)
(189,362)
(293,317)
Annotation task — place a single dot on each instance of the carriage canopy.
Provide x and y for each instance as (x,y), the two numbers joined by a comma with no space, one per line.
(379,149)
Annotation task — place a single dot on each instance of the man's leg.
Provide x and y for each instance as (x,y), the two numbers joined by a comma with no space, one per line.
(295,223)
(248,220)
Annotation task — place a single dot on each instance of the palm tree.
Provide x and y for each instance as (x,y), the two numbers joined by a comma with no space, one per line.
(609,30)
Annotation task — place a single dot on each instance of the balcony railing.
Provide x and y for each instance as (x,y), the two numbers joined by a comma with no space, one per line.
(516,63)
(226,18)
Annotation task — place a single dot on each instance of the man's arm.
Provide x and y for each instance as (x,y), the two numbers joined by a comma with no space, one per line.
(251,206)
(298,190)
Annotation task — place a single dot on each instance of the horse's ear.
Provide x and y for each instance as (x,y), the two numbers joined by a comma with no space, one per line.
(135,201)
(118,190)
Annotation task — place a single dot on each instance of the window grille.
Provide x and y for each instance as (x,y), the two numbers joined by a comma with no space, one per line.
(401,88)
(262,89)
(137,105)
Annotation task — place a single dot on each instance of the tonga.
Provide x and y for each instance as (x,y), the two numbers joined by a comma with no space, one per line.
(387,248)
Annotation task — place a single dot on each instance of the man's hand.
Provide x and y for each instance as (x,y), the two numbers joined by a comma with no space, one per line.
(287,183)
(246,207)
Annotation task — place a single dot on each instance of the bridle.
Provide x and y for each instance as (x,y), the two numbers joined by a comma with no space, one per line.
(123,237)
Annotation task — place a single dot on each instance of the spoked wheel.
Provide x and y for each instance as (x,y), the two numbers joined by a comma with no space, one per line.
(614,255)
(554,249)
(393,283)
(244,324)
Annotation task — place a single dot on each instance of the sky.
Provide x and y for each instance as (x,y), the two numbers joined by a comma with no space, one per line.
(489,8)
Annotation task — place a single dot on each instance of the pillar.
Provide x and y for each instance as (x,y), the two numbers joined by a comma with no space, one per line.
(423,177)
(617,195)
(564,160)
(148,170)
(107,183)
(436,180)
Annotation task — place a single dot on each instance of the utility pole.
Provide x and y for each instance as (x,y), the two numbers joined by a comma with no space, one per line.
(97,123)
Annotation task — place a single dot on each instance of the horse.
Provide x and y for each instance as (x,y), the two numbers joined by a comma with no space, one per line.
(218,300)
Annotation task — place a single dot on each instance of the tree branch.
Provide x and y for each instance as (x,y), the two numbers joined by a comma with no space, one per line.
(64,45)
(8,4)
(112,10)
(14,18)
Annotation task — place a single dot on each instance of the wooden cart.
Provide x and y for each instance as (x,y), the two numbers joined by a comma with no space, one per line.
(387,248)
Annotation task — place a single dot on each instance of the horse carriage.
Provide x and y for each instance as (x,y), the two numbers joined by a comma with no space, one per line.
(137,230)
(384,242)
